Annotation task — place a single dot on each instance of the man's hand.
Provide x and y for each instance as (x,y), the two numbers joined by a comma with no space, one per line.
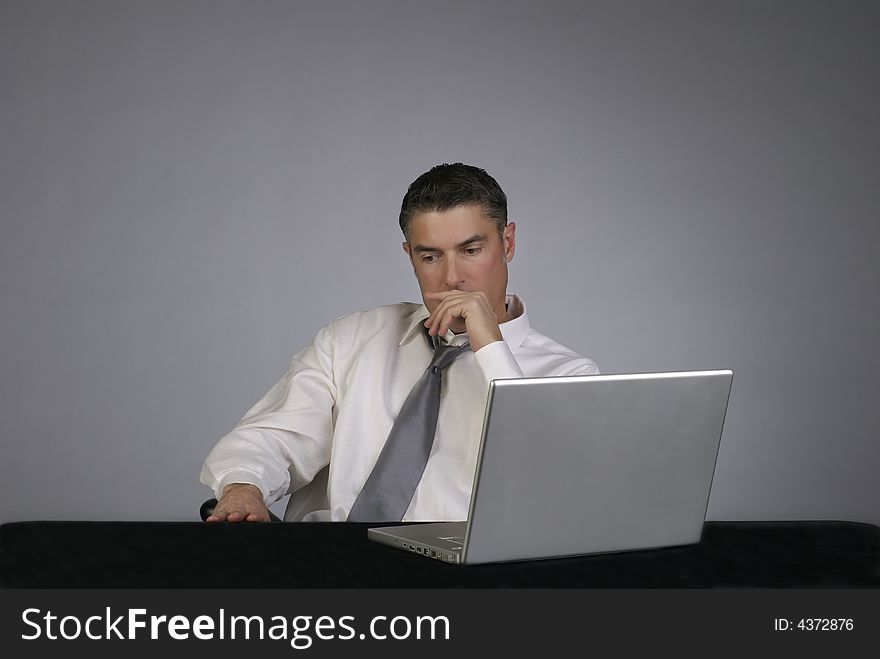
(240,502)
(464,311)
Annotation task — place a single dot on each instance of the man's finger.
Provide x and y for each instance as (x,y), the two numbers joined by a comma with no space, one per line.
(437,326)
(440,312)
(442,294)
(453,313)
(446,318)
(236,516)
(445,322)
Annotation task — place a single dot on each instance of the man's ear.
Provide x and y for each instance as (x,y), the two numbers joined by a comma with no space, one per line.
(509,241)
(408,250)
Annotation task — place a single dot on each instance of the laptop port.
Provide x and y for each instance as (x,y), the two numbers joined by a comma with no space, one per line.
(433,553)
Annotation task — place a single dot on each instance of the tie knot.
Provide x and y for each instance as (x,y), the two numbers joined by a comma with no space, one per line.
(446,354)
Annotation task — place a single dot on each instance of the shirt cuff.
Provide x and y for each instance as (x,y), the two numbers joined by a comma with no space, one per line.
(497,362)
(236,476)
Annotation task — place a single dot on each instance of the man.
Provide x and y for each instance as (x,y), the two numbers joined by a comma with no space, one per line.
(320,431)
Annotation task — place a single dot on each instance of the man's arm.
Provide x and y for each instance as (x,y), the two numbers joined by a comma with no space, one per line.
(471,312)
(286,434)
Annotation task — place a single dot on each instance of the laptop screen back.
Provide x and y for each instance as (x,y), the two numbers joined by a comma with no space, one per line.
(595,463)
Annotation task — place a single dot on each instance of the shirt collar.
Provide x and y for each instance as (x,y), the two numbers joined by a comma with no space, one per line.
(513,331)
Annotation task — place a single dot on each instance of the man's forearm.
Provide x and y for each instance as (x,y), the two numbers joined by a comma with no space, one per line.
(252,456)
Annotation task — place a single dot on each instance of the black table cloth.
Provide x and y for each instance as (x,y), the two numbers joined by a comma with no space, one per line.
(819,554)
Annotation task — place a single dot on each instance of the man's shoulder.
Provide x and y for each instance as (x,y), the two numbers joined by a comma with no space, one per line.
(382,314)
(393,318)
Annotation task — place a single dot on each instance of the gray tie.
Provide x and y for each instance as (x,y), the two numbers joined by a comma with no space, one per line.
(393,481)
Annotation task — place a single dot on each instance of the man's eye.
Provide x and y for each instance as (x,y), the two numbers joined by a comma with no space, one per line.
(429,258)
(473,251)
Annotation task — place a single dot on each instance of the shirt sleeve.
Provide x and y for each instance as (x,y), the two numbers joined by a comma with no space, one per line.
(497,361)
(584,366)
(284,439)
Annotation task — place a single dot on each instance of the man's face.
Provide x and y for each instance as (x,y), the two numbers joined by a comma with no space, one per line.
(460,249)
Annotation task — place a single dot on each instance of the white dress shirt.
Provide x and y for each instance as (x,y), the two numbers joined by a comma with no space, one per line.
(318,432)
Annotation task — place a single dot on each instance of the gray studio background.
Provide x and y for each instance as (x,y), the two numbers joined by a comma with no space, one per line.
(189,190)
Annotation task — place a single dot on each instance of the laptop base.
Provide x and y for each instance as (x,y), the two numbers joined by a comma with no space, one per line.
(442,541)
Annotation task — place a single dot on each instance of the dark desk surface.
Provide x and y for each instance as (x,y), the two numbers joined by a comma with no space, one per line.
(331,555)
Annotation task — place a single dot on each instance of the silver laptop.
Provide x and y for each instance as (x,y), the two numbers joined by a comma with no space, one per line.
(582,465)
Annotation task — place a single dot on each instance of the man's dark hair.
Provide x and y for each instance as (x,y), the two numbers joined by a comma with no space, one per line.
(447,186)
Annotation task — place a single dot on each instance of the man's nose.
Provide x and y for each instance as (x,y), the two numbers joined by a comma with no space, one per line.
(451,278)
